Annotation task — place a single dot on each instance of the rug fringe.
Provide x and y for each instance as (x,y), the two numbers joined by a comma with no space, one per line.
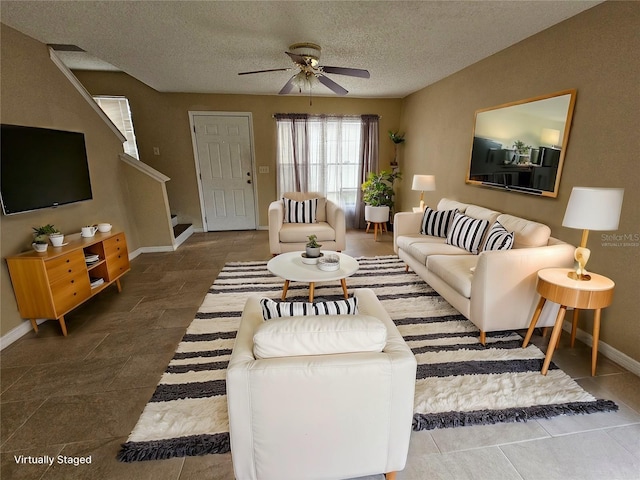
(485,417)
(174,447)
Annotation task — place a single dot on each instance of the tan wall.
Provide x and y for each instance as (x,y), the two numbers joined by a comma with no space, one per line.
(595,52)
(35,93)
(149,208)
(162,120)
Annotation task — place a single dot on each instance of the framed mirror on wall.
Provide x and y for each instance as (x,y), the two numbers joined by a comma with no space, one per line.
(520,146)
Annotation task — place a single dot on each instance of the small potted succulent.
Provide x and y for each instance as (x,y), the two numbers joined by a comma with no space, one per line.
(313,247)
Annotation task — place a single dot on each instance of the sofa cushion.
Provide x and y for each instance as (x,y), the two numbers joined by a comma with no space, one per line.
(448,204)
(421,246)
(272,309)
(527,234)
(455,270)
(475,211)
(498,238)
(298,232)
(467,232)
(437,222)
(303,211)
(319,335)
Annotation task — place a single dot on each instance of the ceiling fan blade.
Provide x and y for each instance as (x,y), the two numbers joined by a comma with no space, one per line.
(287,87)
(352,72)
(327,82)
(263,71)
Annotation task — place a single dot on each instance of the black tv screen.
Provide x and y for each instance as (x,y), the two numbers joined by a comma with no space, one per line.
(42,168)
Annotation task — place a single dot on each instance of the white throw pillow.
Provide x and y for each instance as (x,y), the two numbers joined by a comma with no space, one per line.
(272,309)
(319,335)
(300,212)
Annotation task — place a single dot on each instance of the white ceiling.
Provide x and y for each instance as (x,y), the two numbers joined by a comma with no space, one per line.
(201,46)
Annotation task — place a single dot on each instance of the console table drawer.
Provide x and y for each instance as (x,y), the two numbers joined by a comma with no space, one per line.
(115,244)
(60,267)
(71,291)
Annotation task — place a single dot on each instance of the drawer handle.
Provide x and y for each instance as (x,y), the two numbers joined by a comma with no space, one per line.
(68,260)
(73,281)
(75,293)
(70,270)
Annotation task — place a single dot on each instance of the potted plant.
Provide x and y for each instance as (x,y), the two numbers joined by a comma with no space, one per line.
(41,236)
(397,139)
(313,247)
(377,193)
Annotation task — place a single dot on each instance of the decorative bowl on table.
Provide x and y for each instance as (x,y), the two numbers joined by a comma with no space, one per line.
(329,263)
(310,260)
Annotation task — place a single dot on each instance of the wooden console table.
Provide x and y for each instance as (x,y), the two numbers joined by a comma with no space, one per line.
(555,285)
(51,284)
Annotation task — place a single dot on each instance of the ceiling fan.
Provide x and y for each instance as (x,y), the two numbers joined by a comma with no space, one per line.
(306,60)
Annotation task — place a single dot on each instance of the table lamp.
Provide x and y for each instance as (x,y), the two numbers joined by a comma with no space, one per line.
(423,183)
(591,208)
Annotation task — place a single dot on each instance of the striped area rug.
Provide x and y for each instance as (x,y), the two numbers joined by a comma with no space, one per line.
(459,381)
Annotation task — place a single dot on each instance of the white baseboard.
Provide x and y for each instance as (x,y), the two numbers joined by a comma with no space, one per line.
(607,350)
(16,333)
(183,236)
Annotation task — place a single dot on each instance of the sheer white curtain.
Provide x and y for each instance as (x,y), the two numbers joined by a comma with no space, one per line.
(324,154)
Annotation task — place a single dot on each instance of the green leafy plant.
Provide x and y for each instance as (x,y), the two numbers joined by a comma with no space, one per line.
(377,190)
(396,137)
(312,243)
(521,147)
(41,234)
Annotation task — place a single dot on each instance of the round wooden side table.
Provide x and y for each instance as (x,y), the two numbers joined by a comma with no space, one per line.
(554,284)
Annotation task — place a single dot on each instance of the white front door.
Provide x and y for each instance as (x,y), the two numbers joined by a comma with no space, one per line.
(224,159)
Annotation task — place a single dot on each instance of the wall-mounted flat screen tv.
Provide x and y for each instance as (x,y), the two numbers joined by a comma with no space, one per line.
(42,168)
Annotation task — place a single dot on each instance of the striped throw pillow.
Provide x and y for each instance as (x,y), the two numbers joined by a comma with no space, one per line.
(498,238)
(436,222)
(272,309)
(466,232)
(300,212)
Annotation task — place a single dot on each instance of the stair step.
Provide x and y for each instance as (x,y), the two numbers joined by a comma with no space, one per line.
(180,228)
(174,220)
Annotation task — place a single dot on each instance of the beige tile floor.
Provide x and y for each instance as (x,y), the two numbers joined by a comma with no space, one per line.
(82,395)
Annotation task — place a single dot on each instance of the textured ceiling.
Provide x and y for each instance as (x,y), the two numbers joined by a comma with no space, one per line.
(201,46)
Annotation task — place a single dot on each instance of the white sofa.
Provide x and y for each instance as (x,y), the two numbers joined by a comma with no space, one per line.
(496,290)
(330,227)
(319,416)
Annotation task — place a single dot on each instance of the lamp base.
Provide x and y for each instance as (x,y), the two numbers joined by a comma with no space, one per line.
(579,276)
(581,255)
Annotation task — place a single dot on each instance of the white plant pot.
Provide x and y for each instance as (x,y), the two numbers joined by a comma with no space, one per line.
(40,247)
(376,214)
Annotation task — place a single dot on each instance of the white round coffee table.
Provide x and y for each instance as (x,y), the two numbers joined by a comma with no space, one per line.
(289,266)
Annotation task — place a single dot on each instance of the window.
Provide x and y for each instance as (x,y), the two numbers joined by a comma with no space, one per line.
(117,109)
(323,154)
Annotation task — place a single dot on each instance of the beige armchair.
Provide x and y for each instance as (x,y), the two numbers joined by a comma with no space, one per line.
(289,237)
(346,413)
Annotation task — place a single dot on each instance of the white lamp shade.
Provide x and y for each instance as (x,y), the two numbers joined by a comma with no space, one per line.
(593,208)
(424,183)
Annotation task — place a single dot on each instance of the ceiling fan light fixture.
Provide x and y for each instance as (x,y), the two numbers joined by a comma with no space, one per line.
(305,80)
